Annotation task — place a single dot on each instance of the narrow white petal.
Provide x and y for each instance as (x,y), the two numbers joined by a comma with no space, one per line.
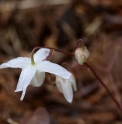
(73,82)
(25,78)
(23,94)
(41,54)
(58,84)
(67,91)
(19,62)
(47,66)
(74,86)
(38,79)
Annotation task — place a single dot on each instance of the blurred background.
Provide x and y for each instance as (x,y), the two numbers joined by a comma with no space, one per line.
(25,24)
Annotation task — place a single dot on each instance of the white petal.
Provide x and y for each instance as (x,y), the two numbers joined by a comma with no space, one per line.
(23,94)
(73,82)
(38,79)
(47,66)
(41,54)
(74,86)
(25,79)
(67,91)
(19,62)
(58,84)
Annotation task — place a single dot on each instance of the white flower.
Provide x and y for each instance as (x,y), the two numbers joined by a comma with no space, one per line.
(81,55)
(65,86)
(34,74)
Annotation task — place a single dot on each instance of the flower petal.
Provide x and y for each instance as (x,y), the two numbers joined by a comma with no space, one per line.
(67,90)
(38,79)
(47,66)
(58,84)
(19,62)
(41,54)
(73,82)
(25,79)
(23,94)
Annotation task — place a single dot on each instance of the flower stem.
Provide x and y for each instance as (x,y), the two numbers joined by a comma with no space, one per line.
(54,49)
(115,101)
(75,66)
(50,54)
(80,40)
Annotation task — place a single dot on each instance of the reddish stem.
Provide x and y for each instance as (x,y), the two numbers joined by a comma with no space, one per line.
(54,49)
(80,40)
(75,66)
(50,54)
(61,51)
(115,88)
(115,101)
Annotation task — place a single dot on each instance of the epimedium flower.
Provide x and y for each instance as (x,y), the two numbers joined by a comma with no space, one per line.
(33,72)
(81,55)
(66,86)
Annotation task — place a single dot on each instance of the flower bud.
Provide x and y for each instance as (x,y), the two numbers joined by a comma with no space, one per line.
(81,55)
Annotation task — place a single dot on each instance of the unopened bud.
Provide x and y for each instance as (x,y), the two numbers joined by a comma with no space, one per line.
(81,55)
